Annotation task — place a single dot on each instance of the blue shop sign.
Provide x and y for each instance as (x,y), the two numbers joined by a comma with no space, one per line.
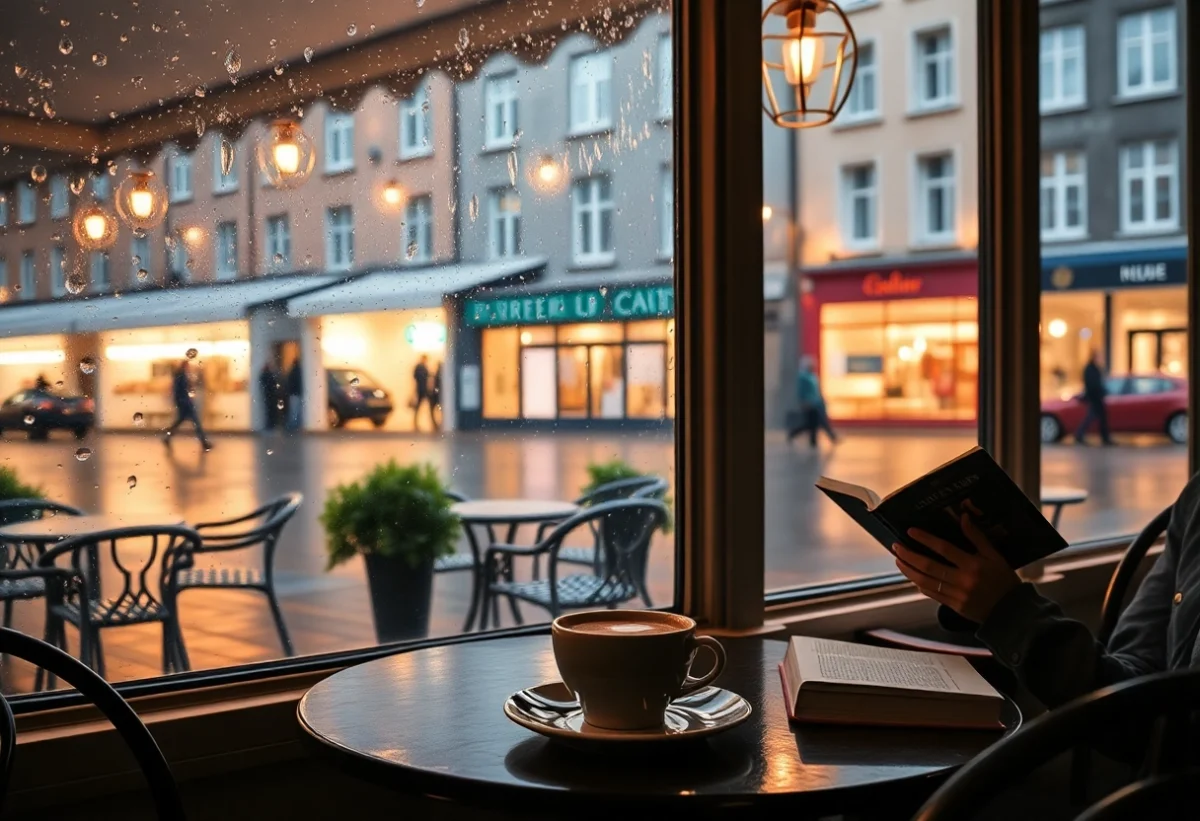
(1123,269)
(601,304)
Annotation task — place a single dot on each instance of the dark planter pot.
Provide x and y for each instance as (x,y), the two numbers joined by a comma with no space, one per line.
(400,597)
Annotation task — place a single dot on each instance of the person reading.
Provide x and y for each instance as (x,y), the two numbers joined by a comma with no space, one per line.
(1055,657)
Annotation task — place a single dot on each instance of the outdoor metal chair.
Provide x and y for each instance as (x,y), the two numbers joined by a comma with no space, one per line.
(625,530)
(17,556)
(459,561)
(161,782)
(146,560)
(608,492)
(259,529)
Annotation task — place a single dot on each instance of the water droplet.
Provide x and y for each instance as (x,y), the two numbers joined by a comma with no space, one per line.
(76,283)
(270,451)
(87,365)
(56,236)
(156,28)
(473,207)
(171,242)
(38,173)
(200,126)
(351,30)
(142,274)
(78,181)
(83,454)
(277,258)
(137,80)
(308,54)
(354,381)
(200,91)
(464,39)
(48,108)
(192,393)
(226,156)
(136,260)
(280,404)
(279,69)
(20,71)
(425,106)
(512,167)
(100,58)
(65,45)
(411,251)
(45,82)
(131,481)
(29,419)
(139,420)
(192,353)
(124,38)
(58,384)
(233,62)
(420,3)
(64,22)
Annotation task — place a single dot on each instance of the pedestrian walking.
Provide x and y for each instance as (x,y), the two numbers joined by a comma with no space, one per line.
(269,385)
(295,396)
(435,397)
(421,392)
(183,396)
(813,415)
(1094,394)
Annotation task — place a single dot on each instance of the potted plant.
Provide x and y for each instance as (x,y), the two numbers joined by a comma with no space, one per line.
(398,519)
(11,487)
(614,470)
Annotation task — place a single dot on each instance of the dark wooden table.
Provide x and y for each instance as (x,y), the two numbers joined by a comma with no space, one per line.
(430,722)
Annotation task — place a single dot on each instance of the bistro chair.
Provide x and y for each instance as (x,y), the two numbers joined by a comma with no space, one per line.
(607,492)
(1147,718)
(18,557)
(257,530)
(161,782)
(624,528)
(472,561)
(146,560)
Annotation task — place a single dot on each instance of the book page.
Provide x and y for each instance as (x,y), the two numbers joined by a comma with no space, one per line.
(824,660)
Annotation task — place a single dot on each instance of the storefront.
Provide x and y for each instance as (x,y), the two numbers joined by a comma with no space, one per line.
(24,359)
(896,344)
(1129,307)
(564,358)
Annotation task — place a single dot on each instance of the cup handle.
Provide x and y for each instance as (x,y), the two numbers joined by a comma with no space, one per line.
(692,683)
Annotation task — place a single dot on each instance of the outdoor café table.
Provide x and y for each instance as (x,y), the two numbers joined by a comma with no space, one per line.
(1059,497)
(510,513)
(430,722)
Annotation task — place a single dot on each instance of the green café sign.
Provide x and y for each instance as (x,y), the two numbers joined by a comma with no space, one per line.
(613,304)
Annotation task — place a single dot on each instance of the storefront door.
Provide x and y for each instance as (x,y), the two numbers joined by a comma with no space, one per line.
(1158,350)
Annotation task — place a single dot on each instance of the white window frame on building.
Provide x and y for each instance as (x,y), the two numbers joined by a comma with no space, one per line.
(1062,49)
(180,189)
(1135,31)
(60,197)
(339,142)
(1149,172)
(26,204)
(592,205)
(224,183)
(859,188)
(504,223)
(1057,187)
(945,64)
(139,260)
(416,124)
(28,281)
(500,110)
(100,270)
(339,238)
(590,91)
(924,188)
(177,259)
(418,229)
(666,77)
(58,270)
(666,212)
(279,243)
(225,251)
(863,103)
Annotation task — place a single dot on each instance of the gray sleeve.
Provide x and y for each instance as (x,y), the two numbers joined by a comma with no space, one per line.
(1058,659)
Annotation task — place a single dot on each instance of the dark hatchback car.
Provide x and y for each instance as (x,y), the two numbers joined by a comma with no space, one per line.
(355,395)
(38,411)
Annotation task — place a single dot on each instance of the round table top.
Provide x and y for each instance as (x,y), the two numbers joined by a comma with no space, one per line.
(63,526)
(506,511)
(1054,495)
(431,722)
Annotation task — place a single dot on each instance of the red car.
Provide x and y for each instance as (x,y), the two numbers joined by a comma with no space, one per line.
(1136,404)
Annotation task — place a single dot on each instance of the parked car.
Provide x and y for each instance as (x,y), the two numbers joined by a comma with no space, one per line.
(39,411)
(1136,404)
(355,395)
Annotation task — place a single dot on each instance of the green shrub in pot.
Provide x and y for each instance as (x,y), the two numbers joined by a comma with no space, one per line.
(614,470)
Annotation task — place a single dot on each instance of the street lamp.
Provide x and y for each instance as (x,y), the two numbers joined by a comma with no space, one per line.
(392,194)
(285,154)
(142,201)
(817,57)
(95,226)
(548,173)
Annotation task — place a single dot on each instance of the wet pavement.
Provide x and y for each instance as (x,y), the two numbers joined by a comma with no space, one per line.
(808,539)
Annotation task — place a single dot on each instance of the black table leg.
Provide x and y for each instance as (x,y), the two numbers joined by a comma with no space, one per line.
(508,575)
(478,584)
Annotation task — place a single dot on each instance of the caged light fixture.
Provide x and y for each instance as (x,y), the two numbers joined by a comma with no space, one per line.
(808,63)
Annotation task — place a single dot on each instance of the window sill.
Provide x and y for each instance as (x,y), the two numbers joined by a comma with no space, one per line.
(224,192)
(181,199)
(860,251)
(423,154)
(590,131)
(337,172)
(848,123)
(592,265)
(1057,239)
(665,258)
(1155,231)
(852,7)
(933,110)
(498,148)
(1064,108)
(1145,97)
(949,244)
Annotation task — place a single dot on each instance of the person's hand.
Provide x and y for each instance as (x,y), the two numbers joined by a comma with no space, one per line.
(976,582)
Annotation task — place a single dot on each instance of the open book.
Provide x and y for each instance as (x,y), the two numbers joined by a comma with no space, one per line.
(838,682)
(971,483)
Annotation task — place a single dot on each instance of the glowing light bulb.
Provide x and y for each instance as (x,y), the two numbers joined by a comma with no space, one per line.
(803,58)
(548,171)
(141,203)
(287,157)
(393,193)
(767,213)
(96,226)
(1057,328)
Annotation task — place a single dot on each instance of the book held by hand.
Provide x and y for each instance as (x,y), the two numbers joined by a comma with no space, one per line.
(972,484)
(838,682)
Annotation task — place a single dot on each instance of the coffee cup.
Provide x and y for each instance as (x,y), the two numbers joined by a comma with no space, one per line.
(626,666)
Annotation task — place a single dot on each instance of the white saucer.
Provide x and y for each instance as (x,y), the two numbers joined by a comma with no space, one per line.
(706,712)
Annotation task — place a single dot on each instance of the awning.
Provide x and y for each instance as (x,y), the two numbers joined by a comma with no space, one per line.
(187,305)
(409,288)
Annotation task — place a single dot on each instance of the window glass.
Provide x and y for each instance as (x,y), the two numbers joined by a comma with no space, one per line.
(934,71)
(863,101)
(1063,68)
(343,279)
(1147,53)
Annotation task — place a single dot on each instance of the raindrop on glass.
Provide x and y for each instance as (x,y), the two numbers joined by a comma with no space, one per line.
(139,420)
(512,167)
(452,204)
(279,69)
(100,58)
(20,71)
(192,353)
(308,54)
(464,39)
(351,30)
(200,91)
(233,62)
(156,28)
(473,207)
(136,260)
(58,384)
(75,284)
(83,454)
(226,157)
(270,451)
(87,365)
(124,38)
(411,251)
(137,80)
(38,173)
(279,404)
(45,82)
(56,236)
(142,274)
(354,381)
(131,481)
(277,258)
(420,3)
(65,45)
(78,181)
(29,419)
(48,108)
(607,14)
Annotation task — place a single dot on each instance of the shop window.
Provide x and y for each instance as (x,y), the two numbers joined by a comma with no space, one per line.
(591,332)
(504,228)
(28,284)
(539,384)
(1064,195)
(60,198)
(1062,81)
(181,179)
(418,229)
(591,93)
(592,221)
(279,242)
(538,335)
(99,267)
(646,379)
(653,330)
(666,85)
(1149,186)
(416,124)
(500,112)
(935,211)
(141,266)
(339,238)
(225,153)
(863,102)
(933,70)
(58,271)
(339,142)
(859,206)
(226,251)
(26,204)
(1147,53)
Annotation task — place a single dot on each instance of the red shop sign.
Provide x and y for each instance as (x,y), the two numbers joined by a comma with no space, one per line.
(894,284)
